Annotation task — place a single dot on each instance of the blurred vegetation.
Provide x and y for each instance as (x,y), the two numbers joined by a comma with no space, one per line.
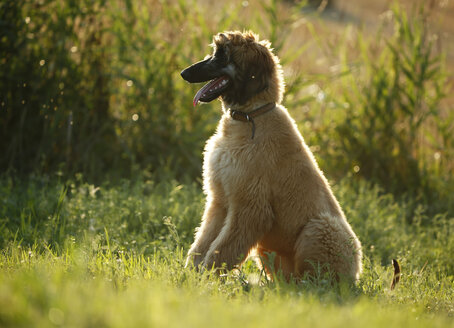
(93,87)
(394,128)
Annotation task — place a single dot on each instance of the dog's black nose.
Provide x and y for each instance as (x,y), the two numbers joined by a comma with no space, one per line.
(184,74)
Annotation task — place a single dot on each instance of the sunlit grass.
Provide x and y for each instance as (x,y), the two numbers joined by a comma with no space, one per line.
(82,288)
(112,269)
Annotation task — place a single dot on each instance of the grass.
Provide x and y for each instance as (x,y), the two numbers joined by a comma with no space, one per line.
(74,254)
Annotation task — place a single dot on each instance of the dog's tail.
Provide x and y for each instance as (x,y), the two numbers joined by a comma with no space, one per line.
(396,276)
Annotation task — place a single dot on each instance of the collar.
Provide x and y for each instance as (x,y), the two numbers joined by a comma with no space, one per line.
(249,116)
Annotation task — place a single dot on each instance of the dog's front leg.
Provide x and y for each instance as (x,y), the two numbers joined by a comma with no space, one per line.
(245,224)
(212,222)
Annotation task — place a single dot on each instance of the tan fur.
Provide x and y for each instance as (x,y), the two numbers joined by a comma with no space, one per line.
(267,194)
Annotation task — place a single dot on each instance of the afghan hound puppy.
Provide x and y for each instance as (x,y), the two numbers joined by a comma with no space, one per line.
(265,192)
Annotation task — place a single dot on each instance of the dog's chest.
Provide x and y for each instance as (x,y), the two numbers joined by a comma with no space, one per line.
(231,167)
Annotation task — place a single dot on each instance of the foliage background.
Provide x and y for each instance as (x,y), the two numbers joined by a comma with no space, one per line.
(94,87)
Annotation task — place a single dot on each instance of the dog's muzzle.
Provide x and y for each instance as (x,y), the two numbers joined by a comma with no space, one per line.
(207,70)
(201,71)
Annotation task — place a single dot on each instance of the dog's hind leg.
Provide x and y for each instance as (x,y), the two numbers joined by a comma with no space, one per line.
(326,245)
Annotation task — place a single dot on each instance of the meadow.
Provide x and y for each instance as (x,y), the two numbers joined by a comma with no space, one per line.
(101,150)
(113,256)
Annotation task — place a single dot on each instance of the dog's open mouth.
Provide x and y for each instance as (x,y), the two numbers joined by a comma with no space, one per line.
(212,90)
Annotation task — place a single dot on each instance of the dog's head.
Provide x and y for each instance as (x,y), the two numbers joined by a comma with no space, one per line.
(241,69)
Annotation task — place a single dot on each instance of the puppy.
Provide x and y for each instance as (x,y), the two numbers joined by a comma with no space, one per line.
(265,194)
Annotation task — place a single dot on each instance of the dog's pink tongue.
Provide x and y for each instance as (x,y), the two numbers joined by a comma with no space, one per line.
(200,93)
(207,88)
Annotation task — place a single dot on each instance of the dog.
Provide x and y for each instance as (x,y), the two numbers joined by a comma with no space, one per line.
(265,194)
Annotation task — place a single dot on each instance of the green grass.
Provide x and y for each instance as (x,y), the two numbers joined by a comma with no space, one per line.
(113,256)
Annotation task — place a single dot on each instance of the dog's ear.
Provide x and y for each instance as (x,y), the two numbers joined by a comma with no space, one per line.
(220,39)
(221,42)
(223,37)
(258,74)
(256,81)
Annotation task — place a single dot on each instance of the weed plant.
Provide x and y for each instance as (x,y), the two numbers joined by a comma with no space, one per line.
(391,127)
